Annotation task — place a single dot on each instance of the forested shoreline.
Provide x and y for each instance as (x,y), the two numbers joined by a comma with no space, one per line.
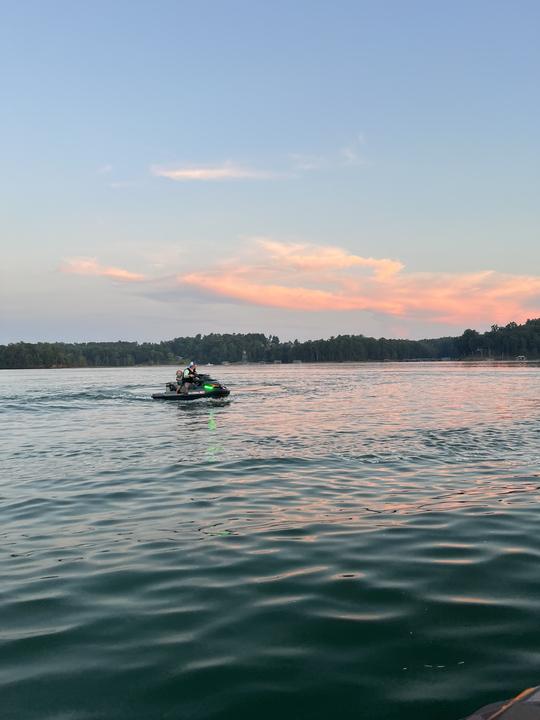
(499,343)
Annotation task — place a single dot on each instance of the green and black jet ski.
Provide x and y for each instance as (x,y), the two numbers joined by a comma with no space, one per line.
(202,387)
(525,706)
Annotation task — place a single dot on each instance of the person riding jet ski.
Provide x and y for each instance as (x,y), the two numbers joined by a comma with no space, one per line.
(186,378)
(190,385)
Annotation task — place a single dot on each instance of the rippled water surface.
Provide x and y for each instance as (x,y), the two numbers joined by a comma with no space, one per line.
(352,541)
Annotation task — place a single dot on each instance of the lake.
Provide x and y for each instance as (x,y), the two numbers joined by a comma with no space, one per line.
(349,541)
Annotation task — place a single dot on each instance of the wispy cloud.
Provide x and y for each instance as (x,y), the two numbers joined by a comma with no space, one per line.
(119,184)
(294,166)
(90,266)
(309,257)
(301,161)
(228,171)
(351,154)
(105,169)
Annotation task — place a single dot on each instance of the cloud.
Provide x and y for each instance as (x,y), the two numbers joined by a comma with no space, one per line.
(228,171)
(311,257)
(313,278)
(351,153)
(307,162)
(291,298)
(119,184)
(294,166)
(90,266)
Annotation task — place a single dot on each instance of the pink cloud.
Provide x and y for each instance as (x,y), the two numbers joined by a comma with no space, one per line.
(309,257)
(90,266)
(311,278)
(294,276)
(212,173)
(236,287)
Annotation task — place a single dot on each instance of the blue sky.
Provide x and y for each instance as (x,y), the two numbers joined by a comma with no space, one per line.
(169,166)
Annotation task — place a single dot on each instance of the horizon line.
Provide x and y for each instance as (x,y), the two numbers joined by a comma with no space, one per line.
(509,325)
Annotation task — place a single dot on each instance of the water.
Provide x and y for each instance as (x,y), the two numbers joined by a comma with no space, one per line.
(352,541)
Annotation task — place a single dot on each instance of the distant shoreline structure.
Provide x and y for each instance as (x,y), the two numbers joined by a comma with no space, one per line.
(513,342)
(418,361)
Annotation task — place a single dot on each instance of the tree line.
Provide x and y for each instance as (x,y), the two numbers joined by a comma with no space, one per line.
(506,342)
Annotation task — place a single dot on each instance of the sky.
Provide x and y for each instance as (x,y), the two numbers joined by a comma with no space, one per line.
(300,169)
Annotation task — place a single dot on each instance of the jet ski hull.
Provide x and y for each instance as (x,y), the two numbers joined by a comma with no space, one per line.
(194,395)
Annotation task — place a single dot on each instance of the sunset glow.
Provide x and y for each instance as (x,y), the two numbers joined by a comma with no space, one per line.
(328,278)
(306,171)
(90,266)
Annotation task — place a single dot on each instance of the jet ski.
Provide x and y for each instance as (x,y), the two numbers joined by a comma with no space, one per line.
(203,387)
